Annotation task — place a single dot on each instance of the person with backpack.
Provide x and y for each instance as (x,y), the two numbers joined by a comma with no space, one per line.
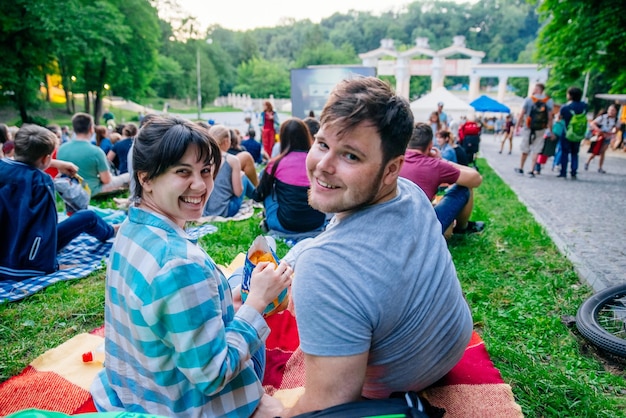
(605,126)
(574,114)
(469,138)
(536,115)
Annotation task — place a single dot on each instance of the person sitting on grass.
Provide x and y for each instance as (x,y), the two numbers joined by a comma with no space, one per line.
(91,161)
(118,154)
(174,344)
(378,304)
(31,236)
(231,184)
(245,158)
(284,184)
(254,147)
(424,166)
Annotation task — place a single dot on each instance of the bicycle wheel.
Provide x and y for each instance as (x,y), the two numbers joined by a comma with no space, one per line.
(601,319)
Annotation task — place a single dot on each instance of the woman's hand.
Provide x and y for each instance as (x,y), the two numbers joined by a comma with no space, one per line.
(267,283)
(268,408)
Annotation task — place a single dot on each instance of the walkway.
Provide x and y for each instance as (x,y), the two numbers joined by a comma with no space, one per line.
(585,218)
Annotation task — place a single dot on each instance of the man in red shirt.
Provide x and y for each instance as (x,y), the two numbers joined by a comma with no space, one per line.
(424,166)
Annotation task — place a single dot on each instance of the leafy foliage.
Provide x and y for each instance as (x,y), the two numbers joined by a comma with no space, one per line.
(581,36)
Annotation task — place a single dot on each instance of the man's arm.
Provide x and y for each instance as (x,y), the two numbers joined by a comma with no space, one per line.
(65,167)
(105,177)
(469,177)
(520,119)
(330,381)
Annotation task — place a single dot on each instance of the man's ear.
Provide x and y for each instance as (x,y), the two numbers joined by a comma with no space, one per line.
(392,170)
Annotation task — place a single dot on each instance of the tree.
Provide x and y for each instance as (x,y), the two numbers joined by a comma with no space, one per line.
(26,52)
(260,78)
(325,53)
(580,37)
(169,78)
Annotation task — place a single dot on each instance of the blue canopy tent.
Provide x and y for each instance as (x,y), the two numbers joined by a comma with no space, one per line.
(487,104)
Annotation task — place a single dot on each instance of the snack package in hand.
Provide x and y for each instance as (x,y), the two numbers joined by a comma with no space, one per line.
(258,252)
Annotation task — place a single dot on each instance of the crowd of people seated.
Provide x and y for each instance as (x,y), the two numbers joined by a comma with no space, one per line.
(364,173)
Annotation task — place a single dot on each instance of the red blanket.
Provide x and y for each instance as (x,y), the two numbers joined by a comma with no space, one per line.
(473,388)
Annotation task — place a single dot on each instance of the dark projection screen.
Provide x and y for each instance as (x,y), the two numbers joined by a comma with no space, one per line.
(310,87)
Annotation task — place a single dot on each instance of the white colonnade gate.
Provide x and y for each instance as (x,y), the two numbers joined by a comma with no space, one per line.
(402,65)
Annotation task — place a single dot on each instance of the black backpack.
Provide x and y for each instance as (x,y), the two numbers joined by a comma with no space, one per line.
(538,114)
(405,404)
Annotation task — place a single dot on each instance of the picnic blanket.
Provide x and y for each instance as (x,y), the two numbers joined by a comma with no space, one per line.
(246,211)
(78,259)
(59,381)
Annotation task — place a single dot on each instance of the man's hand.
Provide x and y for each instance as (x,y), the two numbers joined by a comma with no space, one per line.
(435,153)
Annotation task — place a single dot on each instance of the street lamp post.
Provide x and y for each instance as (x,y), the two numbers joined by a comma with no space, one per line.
(208,41)
(199,83)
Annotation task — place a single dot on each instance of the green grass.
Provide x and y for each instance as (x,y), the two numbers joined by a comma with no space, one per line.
(519,287)
(56,112)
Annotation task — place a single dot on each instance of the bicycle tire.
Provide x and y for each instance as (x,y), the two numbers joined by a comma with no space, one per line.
(591,316)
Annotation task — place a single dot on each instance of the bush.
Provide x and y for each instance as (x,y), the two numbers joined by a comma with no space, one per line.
(37,120)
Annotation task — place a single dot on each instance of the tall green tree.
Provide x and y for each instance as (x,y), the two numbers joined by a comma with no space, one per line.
(261,78)
(25,39)
(584,36)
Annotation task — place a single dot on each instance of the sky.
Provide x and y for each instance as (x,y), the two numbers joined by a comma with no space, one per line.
(250,14)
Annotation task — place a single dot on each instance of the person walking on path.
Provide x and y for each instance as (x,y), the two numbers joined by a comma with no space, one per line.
(508,133)
(536,116)
(571,146)
(606,126)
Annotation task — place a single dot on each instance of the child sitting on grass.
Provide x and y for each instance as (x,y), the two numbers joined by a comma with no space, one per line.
(30,235)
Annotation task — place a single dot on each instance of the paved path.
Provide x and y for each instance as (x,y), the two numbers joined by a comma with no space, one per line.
(586,218)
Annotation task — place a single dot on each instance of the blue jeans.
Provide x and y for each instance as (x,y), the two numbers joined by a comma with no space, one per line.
(235,202)
(569,148)
(451,205)
(86,221)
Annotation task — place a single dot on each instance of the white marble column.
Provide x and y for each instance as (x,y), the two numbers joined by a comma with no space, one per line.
(502,83)
(403,78)
(437,75)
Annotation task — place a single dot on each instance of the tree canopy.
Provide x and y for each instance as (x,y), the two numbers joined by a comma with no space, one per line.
(581,37)
(124,43)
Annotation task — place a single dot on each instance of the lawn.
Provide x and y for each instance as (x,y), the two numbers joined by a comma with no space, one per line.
(520,288)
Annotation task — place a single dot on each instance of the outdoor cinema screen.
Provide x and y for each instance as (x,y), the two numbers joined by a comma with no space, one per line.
(310,87)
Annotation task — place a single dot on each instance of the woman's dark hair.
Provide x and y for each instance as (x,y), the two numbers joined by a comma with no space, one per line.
(163,141)
(294,136)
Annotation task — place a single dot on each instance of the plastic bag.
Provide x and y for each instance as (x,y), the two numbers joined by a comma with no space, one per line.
(261,251)
(74,191)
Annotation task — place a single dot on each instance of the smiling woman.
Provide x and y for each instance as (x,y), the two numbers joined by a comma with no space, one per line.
(170,323)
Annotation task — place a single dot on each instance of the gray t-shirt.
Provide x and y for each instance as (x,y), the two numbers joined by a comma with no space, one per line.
(382,280)
(218,202)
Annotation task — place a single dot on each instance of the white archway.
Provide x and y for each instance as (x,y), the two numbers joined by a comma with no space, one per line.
(402,66)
